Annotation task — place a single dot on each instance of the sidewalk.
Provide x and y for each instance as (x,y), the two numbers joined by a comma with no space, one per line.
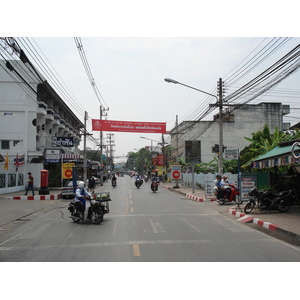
(286,225)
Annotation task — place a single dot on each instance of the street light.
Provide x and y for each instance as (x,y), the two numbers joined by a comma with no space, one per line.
(219,100)
(142,137)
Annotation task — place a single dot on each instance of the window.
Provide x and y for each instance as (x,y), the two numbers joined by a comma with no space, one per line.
(2,181)
(11,180)
(20,179)
(5,145)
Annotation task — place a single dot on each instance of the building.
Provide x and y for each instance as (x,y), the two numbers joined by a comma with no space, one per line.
(37,128)
(238,122)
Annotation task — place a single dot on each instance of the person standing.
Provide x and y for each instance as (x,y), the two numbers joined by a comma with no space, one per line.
(91,184)
(29,184)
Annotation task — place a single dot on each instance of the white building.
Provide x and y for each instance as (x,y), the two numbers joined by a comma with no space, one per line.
(31,115)
(238,122)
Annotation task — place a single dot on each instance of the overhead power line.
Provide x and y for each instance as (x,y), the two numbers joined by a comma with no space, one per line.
(88,71)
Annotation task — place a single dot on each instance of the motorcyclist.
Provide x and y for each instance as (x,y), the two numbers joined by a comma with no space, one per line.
(218,187)
(138,177)
(154,179)
(225,187)
(114,178)
(80,197)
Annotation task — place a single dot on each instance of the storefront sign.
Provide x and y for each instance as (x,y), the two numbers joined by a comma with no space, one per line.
(62,141)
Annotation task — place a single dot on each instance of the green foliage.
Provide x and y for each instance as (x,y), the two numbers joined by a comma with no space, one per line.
(262,142)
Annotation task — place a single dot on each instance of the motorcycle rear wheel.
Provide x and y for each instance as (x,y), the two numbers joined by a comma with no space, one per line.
(76,220)
(221,201)
(284,206)
(249,207)
(97,216)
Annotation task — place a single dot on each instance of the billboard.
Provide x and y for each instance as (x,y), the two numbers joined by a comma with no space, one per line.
(128,126)
(193,152)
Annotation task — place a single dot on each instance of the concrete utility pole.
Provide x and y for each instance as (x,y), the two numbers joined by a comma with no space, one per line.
(84,149)
(220,91)
(110,142)
(102,113)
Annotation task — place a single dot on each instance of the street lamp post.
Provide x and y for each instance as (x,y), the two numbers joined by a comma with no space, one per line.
(219,101)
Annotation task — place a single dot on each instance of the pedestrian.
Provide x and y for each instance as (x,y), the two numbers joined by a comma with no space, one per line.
(30,184)
(91,184)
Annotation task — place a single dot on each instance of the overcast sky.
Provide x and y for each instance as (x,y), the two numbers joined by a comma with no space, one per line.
(129,69)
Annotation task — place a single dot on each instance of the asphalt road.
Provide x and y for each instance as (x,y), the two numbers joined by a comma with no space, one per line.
(142,226)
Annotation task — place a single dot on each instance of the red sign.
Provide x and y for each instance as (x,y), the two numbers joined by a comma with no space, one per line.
(128,126)
(176,174)
(160,159)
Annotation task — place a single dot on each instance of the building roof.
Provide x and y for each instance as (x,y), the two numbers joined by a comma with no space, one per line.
(277,151)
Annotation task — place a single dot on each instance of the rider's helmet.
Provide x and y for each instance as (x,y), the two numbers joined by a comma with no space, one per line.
(81,185)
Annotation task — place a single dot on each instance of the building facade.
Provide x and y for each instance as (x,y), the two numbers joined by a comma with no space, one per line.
(238,122)
(34,121)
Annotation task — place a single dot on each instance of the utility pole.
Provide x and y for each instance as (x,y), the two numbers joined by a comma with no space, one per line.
(110,142)
(102,113)
(220,92)
(84,148)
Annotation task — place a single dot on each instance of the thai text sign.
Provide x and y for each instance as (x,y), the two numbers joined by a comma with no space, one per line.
(128,126)
(62,141)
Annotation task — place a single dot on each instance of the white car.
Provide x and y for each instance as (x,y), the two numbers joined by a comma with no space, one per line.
(67,190)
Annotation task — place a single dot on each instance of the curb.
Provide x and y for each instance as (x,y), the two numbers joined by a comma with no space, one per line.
(198,199)
(249,219)
(39,197)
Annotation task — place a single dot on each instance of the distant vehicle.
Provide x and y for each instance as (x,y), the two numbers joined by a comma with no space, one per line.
(67,190)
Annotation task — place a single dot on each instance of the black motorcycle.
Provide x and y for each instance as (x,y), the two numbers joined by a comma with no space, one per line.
(154,186)
(138,183)
(266,200)
(114,183)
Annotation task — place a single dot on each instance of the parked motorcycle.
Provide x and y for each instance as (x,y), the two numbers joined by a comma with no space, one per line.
(229,194)
(266,200)
(154,186)
(138,183)
(94,208)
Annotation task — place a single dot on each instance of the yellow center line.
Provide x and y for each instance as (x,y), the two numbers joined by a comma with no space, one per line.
(136,250)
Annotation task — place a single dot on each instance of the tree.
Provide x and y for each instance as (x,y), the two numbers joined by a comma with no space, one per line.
(263,141)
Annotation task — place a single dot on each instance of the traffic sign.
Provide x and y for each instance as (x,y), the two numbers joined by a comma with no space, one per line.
(176,172)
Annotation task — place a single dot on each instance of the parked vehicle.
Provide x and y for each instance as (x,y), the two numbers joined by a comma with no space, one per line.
(230,194)
(94,208)
(154,186)
(266,200)
(67,190)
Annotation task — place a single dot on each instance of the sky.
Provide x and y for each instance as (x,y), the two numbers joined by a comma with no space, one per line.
(130,60)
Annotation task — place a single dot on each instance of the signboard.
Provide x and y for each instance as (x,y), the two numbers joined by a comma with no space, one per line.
(192,152)
(52,156)
(57,141)
(247,183)
(160,159)
(128,126)
(231,154)
(209,189)
(176,172)
(67,170)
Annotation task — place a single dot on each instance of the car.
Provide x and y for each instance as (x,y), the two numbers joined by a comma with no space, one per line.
(67,190)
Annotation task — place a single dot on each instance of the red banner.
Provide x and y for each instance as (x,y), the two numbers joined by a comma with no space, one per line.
(128,126)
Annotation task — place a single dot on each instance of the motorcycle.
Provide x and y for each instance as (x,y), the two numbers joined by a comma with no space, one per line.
(94,209)
(229,194)
(114,183)
(154,186)
(266,200)
(138,183)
